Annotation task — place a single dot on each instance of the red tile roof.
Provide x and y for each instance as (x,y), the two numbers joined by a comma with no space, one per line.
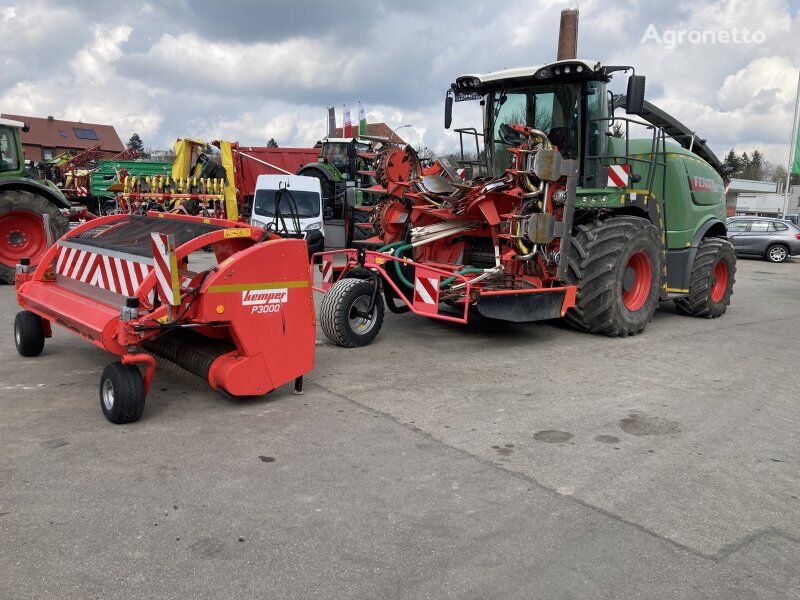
(47,132)
(376,130)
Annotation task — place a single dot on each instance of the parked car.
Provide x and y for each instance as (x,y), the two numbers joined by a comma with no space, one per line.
(774,239)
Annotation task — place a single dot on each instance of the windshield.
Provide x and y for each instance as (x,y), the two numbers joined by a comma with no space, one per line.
(9,161)
(554,109)
(307,203)
(336,154)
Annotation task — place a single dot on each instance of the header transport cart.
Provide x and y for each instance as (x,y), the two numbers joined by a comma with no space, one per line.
(122,283)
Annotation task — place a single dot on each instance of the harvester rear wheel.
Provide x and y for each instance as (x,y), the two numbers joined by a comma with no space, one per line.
(22,229)
(28,333)
(616,264)
(343,314)
(122,393)
(711,283)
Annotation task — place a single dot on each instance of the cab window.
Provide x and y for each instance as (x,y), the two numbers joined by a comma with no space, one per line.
(336,154)
(553,109)
(9,161)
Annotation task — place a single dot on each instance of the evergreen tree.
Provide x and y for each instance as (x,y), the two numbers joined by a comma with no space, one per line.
(272,143)
(135,143)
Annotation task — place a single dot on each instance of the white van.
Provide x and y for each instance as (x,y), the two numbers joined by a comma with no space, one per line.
(307,195)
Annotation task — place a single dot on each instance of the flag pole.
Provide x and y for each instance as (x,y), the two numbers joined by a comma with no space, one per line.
(792,149)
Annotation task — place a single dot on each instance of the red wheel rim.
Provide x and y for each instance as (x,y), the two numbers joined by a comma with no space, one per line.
(21,235)
(720,281)
(636,281)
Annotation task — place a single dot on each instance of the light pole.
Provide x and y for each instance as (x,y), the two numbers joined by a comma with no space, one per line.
(792,148)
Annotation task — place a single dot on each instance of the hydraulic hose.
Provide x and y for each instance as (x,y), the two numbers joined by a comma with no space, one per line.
(397,268)
(465,271)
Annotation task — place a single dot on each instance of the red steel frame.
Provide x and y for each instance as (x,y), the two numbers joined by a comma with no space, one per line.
(471,293)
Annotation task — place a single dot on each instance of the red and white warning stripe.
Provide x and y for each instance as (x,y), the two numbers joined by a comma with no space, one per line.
(618,175)
(117,275)
(81,191)
(426,292)
(327,270)
(166,266)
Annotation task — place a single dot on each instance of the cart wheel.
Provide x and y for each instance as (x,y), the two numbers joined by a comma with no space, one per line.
(122,393)
(343,313)
(29,333)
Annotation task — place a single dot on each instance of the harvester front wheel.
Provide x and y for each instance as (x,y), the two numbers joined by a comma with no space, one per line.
(122,393)
(616,264)
(28,333)
(22,229)
(345,315)
(711,283)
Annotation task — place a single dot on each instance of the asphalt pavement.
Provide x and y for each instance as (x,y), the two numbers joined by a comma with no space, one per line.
(443,461)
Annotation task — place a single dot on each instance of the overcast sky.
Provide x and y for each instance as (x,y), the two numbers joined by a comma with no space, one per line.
(247,70)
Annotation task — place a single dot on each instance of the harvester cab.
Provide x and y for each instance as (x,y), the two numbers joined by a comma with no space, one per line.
(554,217)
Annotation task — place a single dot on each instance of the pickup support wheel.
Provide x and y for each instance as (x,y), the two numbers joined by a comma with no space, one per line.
(122,393)
(29,333)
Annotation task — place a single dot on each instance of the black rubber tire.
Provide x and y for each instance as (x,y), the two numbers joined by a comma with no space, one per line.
(768,254)
(597,263)
(127,385)
(12,200)
(698,302)
(358,217)
(327,185)
(334,314)
(29,333)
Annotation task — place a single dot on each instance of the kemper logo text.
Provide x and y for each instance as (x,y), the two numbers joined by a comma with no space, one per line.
(256,297)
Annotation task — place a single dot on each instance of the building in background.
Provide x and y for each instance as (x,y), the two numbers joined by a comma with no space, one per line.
(49,137)
(760,198)
(376,130)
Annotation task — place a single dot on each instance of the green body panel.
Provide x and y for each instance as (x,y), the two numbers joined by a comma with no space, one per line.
(689,191)
(98,185)
(327,168)
(20,172)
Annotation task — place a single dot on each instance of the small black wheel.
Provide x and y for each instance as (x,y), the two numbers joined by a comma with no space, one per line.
(29,333)
(712,278)
(343,314)
(777,253)
(122,393)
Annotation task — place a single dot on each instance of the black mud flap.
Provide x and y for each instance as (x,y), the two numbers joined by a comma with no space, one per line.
(522,308)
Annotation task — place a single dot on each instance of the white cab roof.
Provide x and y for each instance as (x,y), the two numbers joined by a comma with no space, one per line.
(522,72)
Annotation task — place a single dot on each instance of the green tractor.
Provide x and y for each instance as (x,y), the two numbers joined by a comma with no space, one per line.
(345,173)
(648,214)
(24,202)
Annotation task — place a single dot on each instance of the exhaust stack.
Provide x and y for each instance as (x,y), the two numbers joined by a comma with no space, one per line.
(568,35)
